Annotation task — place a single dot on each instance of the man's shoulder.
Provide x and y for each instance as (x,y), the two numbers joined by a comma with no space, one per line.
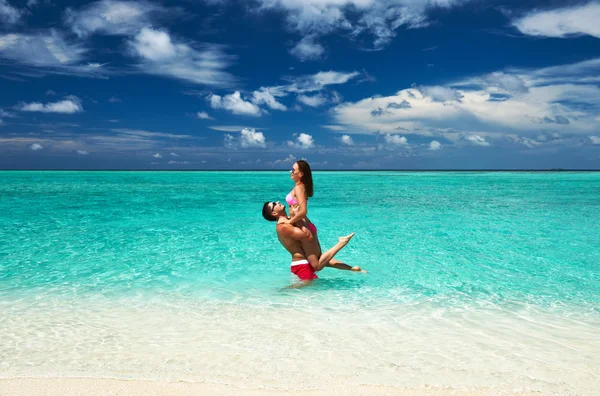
(283,227)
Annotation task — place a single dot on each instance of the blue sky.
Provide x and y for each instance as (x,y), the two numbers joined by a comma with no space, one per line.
(346,84)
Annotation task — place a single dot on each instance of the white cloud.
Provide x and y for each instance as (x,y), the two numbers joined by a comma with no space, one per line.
(581,72)
(227,128)
(9,14)
(312,101)
(303,141)
(265,96)
(159,53)
(229,141)
(290,159)
(114,99)
(155,45)
(595,139)
(36,147)
(248,138)
(8,114)
(300,85)
(174,155)
(531,143)
(96,65)
(162,56)
(47,52)
(307,49)
(336,97)
(506,82)
(251,162)
(520,102)
(347,140)
(252,138)
(49,49)
(317,82)
(111,17)
(102,141)
(157,155)
(203,115)
(235,104)
(331,77)
(476,140)
(440,94)
(334,127)
(378,18)
(395,140)
(70,105)
(563,22)
(19,140)
(139,133)
(435,145)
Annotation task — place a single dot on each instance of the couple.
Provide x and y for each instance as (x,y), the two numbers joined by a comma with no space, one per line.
(297,234)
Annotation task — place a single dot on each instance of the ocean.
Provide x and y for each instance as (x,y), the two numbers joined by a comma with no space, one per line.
(476,279)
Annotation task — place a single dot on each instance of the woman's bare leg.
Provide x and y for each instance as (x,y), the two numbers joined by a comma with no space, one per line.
(318,260)
(328,255)
(312,251)
(333,263)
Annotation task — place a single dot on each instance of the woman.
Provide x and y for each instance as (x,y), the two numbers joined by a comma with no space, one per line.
(297,200)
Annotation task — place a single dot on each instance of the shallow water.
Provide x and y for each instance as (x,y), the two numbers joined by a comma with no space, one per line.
(476,278)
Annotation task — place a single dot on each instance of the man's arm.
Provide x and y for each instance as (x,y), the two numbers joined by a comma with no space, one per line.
(296,233)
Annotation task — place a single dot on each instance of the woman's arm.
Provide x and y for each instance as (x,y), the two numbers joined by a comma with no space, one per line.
(301,208)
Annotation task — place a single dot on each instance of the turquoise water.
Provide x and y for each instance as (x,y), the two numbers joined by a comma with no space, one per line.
(461,249)
(492,236)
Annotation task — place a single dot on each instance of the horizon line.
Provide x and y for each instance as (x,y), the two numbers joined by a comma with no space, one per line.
(280,170)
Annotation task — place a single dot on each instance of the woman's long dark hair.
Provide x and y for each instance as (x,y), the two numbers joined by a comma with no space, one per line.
(306,177)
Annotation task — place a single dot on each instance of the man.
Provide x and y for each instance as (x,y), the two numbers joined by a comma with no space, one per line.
(291,238)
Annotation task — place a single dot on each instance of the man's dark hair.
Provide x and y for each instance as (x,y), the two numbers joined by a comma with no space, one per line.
(268,212)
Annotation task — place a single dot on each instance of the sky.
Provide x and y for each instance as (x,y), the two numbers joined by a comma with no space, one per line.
(259,84)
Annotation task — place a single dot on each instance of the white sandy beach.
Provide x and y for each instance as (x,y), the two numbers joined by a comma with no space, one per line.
(114,387)
(149,348)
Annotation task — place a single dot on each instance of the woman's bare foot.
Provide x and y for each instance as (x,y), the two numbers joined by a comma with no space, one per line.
(344,240)
(356,268)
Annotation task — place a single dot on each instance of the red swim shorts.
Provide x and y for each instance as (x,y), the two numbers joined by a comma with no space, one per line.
(303,270)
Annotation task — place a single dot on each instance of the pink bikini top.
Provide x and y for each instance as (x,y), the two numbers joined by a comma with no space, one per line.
(290,199)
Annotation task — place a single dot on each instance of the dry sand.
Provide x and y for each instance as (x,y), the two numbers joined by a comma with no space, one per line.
(114,387)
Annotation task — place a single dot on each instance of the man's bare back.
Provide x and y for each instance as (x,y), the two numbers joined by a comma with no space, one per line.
(294,246)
